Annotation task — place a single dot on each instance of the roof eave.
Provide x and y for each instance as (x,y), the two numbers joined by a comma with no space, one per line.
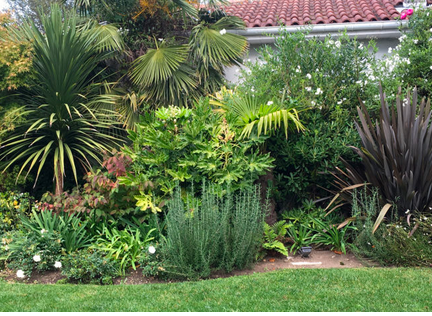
(360,30)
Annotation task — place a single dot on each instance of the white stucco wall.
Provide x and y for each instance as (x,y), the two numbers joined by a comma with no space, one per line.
(231,73)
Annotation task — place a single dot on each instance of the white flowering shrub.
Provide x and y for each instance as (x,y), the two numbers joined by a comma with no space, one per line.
(29,252)
(410,64)
(326,79)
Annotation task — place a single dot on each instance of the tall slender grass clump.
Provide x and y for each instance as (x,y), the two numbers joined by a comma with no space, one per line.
(214,232)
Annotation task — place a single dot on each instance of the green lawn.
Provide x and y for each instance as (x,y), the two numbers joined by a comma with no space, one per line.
(373,289)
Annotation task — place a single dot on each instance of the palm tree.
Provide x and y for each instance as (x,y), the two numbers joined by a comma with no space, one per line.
(66,124)
(178,75)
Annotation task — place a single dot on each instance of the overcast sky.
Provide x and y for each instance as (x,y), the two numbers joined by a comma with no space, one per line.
(3,4)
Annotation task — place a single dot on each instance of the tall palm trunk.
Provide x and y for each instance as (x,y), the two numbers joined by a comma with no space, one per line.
(58,180)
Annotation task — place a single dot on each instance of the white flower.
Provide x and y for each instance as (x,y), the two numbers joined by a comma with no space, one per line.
(269,102)
(20,274)
(308,89)
(319,91)
(431,69)
(6,248)
(338,44)
(160,39)
(57,265)
(309,76)
(415,41)
(313,102)
(36,258)
(298,69)
(43,231)
(253,90)
(390,50)
(151,249)
(222,32)
(361,46)
(407,211)
(339,102)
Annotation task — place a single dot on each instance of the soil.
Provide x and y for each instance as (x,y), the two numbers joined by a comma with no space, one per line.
(317,259)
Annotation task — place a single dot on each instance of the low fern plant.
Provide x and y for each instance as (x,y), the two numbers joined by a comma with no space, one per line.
(273,236)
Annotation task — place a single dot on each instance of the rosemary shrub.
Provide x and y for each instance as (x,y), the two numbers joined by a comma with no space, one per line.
(215,232)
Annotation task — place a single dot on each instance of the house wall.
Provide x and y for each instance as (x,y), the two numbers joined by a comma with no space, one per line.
(383,44)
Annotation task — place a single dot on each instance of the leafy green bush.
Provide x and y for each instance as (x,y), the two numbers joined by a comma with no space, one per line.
(217,233)
(13,205)
(70,227)
(399,243)
(101,195)
(189,146)
(153,263)
(11,180)
(33,251)
(90,266)
(332,235)
(124,246)
(301,236)
(403,242)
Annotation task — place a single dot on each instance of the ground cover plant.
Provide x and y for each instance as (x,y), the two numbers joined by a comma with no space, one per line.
(296,290)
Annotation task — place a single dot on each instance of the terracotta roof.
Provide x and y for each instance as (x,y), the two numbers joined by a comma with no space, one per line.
(259,13)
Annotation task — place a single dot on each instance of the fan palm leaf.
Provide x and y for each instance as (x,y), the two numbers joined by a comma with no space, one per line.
(211,46)
(254,115)
(164,76)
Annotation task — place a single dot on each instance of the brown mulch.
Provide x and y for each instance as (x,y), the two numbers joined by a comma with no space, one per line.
(317,259)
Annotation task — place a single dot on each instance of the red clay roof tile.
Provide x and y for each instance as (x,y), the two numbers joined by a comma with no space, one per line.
(259,13)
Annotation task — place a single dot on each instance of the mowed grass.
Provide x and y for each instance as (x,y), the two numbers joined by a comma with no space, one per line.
(299,290)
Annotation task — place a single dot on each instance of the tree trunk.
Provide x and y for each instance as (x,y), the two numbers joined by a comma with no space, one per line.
(58,180)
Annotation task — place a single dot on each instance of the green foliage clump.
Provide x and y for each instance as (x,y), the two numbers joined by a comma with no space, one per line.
(399,243)
(13,205)
(101,196)
(189,146)
(274,236)
(217,233)
(90,266)
(154,264)
(332,235)
(125,246)
(32,251)
(403,242)
(301,236)
(13,181)
(70,227)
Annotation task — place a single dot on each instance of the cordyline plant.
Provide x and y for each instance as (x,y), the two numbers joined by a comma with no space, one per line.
(396,155)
